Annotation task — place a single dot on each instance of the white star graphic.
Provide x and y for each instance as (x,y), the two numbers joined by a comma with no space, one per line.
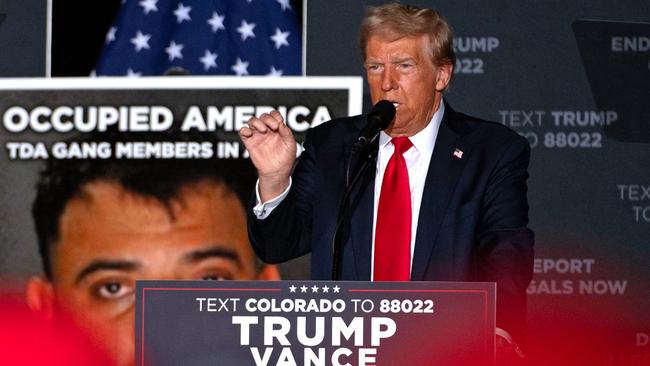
(285,4)
(216,22)
(141,41)
(280,38)
(240,68)
(274,72)
(209,60)
(132,74)
(174,51)
(303,288)
(182,13)
(246,30)
(314,289)
(292,288)
(110,36)
(336,289)
(326,289)
(148,6)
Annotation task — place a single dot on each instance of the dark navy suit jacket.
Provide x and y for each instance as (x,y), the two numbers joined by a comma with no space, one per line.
(473,216)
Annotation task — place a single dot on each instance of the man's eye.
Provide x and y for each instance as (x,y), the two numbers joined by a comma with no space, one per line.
(218,274)
(405,66)
(211,277)
(113,290)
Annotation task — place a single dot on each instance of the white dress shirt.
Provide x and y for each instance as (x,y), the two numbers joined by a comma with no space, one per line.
(417,162)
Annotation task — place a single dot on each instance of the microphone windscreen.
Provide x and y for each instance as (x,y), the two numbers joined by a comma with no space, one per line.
(385,110)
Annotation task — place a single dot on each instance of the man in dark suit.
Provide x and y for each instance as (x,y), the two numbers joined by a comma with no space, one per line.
(447,200)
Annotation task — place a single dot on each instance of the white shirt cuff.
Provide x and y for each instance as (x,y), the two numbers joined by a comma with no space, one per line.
(262,210)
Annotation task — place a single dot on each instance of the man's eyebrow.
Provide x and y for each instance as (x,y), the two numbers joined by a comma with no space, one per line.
(403,59)
(104,264)
(211,252)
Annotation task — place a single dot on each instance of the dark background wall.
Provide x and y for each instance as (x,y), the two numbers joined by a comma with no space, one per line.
(78,33)
(22,37)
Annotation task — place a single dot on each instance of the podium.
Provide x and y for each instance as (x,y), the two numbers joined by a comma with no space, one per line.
(314,323)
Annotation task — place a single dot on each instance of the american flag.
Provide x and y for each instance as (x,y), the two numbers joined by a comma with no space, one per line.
(204,37)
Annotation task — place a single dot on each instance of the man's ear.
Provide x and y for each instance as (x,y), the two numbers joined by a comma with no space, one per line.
(40,297)
(269,272)
(444,76)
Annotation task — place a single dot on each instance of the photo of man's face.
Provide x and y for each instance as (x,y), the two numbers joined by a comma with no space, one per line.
(109,237)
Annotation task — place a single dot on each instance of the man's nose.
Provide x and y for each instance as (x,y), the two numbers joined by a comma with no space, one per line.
(388,81)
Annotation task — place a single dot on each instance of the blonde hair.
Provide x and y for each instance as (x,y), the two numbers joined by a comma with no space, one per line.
(395,21)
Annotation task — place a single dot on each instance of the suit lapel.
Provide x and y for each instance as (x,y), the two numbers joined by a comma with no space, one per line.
(444,171)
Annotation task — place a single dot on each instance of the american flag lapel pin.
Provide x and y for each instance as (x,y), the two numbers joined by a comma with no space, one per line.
(458,153)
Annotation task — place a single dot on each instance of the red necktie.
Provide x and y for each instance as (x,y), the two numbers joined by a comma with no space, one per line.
(393,231)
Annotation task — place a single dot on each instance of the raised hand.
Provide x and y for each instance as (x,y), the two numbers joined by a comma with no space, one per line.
(272,149)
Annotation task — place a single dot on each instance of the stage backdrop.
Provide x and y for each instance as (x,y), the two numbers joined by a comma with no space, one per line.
(574,78)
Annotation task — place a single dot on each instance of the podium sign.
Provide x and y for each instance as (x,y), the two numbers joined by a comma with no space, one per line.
(314,323)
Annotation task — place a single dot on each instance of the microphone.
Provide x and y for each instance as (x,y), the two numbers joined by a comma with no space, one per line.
(379,118)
